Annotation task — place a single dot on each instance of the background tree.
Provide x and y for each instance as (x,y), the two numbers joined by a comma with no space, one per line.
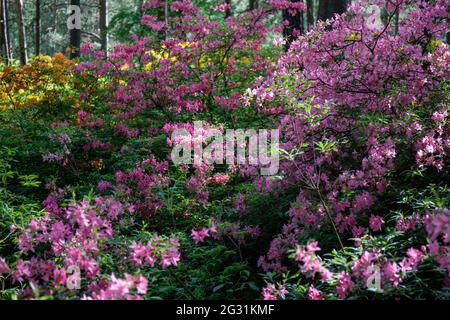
(310,16)
(294,26)
(328,8)
(228,11)
(38,28)
(4,41)
(253,4)
(75,36)
(104,24)
(22,33)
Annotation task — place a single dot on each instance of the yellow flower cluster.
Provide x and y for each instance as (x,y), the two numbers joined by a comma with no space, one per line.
(42,80)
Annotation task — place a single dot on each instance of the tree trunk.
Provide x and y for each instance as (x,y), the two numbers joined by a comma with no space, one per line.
(38,28)
(310,12)
(253,5)
(328,8)
(75,36)
(294,28)
(396,21)
(22,37)
(166,18)
(163,15)
(4,43)
(228,12)
(448,34)
(7,31)
(104,25)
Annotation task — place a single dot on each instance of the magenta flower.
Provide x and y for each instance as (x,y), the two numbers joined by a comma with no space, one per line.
(375,223)
(344,285)
(3,266)
(200,235)
(314,294)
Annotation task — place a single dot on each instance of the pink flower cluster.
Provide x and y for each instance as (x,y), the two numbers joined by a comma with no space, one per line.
(437,226)
(4,269)
(233,231)
(272,292)
(129,288)
(75,237)
(309,263)
(166,251)
(358,82)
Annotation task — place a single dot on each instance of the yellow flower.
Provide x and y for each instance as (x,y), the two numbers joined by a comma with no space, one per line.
(352,37)
(246,60)
(148,67)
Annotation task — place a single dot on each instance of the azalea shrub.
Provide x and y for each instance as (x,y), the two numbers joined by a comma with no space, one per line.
(46,81)
(93,207)
(365,122)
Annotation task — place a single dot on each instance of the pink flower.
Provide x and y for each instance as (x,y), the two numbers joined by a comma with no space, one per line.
(139,282)
(278,42)
(171,257)
(375,223)
(3,266)
(391,272)
(268,294)
(103,186)
(272,293)
(314,294)
(344,285)
(200,235)
(440,115)
(312,247)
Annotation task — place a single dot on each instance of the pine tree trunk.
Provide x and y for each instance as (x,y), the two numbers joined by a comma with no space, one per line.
(310,12)
(328,8)
(253,5)
(448,34)
(38,28)
(396,21)
(228,12)
(22,36)
(8,33)
(104,24)
(75,36)
(294,27)
(4,45)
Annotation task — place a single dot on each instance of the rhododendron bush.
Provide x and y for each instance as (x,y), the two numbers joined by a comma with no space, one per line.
(93,206)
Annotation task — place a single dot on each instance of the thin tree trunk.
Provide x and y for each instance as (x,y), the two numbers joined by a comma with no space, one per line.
(38,28)
(75,36)
(7,31)
(104,24)
(253,5)
(397,21)
(166,18)
(228,12)
(448,34)
(22,37)
(310,12)
(4,48)
(163,15)
(328,8)
(294,27)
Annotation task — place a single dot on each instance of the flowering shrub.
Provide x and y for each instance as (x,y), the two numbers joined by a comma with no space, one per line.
(45,80)
(354,94)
